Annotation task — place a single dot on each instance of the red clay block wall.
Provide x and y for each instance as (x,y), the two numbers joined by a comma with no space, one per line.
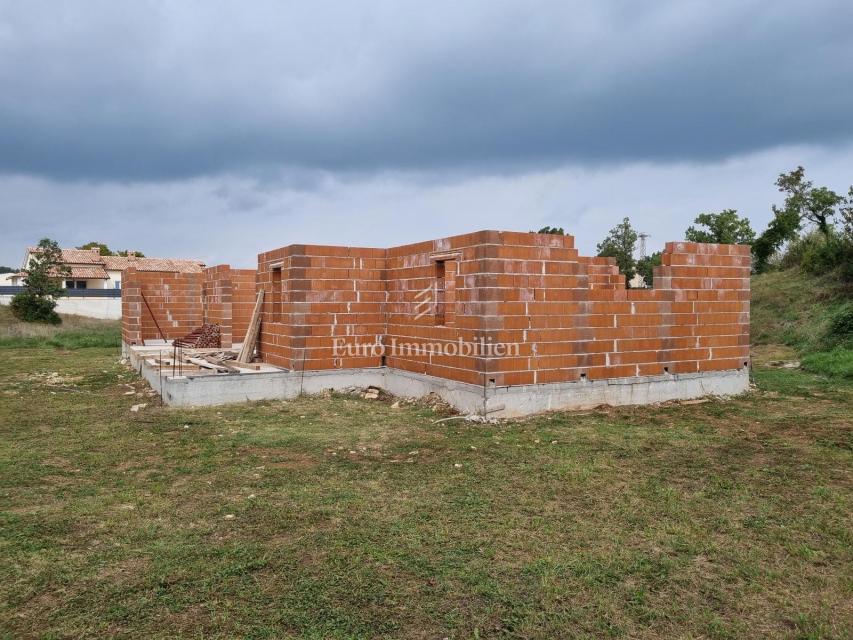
(436,308)
(446,291)
(181,302)
(574,318)
(242,301)
(564,317)
(174,300)
(216,301)
(315,295)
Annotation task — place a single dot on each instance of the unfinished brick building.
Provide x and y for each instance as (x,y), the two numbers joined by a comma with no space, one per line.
(501,323)
(176,303)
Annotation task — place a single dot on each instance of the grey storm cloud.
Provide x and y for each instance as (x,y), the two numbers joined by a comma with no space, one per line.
(161,90)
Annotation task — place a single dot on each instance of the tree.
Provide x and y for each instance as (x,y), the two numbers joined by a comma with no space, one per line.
(815,204)
(103,249)
(619,244)
(554,231)
(4,269)
(821,208)
(646,267)
(782,228)
(847,216)
(42,283)
(725,227)
(803,203)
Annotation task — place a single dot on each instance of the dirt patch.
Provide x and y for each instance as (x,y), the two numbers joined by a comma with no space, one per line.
(59,462)
(124,571)
(139,464)
(280,458)
(763,354)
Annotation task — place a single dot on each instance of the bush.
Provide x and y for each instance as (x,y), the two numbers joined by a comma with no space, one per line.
(824,257)
(32,308)
(818,254)
(797,248)
(840,329)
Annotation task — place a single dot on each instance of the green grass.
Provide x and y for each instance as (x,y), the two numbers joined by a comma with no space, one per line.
(75,332)
(345,518)
(796,309)
(838,363)
(351,518)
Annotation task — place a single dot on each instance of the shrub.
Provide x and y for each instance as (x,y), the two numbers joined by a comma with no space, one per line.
(792,256)
(840,329)
(820,254)
(33,308)
(824,257)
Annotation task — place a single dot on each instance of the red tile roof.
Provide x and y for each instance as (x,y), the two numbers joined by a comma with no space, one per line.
(76,256)
(80,258)
(119,263)
(86,273)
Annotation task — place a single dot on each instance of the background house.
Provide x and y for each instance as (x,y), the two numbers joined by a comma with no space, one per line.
(90,270)
(94,281)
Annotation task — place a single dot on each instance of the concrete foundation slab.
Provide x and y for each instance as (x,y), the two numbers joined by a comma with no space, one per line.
(270,383)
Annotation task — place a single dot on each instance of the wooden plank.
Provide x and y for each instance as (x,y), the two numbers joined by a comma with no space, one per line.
(250,366)
(194,351)
(206,365)
(220,363)
(251,339)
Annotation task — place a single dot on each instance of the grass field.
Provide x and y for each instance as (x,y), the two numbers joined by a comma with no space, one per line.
(805,313)
(347,518)
(75,332)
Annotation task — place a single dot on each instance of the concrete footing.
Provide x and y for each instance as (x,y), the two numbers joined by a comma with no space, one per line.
(500,402)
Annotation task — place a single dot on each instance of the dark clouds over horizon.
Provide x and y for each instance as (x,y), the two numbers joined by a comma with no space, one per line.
(158,90)
(137,123)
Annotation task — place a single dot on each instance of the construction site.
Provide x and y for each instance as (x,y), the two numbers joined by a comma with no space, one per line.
(498,324)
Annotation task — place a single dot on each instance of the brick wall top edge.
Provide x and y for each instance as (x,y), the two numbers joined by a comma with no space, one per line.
(708,248)
(320,250)
(449,243)
(483,237)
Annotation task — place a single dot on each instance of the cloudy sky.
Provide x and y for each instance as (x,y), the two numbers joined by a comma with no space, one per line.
(220,129)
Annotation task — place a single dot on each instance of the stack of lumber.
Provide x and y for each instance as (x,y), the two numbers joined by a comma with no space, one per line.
(211,359)
(216,362)
(207,336)
(221,356)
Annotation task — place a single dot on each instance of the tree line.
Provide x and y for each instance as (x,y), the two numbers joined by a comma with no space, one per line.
(812,229)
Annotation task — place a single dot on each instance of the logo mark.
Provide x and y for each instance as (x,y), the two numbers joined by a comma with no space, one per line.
(425,301)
